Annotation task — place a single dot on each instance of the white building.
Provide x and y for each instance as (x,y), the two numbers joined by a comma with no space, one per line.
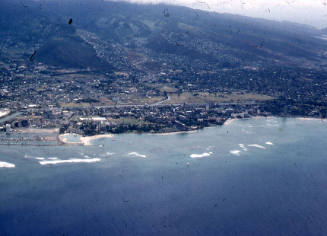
(8,128)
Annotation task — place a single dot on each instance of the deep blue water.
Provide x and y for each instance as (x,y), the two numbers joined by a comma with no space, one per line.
(278,190)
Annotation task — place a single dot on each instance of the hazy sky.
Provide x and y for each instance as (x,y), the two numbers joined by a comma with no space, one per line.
(312,12)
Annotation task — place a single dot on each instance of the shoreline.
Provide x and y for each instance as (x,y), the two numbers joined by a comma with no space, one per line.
(86,141)
(63,139)
(311,119)
(176,132)
(4,113)
(229,121)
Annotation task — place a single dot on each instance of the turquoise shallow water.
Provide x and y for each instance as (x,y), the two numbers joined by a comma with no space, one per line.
(149,185)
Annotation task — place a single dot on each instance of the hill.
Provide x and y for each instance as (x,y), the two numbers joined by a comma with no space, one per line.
(155,32)
(118,52)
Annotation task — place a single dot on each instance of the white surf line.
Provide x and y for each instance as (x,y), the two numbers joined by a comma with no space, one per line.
(206,154)
(210,148)
(28,156)
(107,154)
(135,154)
(235,152)
(257,146)
(269,143)
(54,162)
(242,146)
(6,165)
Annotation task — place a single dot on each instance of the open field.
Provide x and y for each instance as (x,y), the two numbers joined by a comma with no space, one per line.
(128,121)
(202,98)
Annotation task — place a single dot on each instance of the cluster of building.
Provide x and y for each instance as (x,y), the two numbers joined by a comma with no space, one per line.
(90,102)
(119,119)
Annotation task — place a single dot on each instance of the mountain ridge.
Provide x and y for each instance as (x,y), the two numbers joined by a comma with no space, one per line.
(184,33)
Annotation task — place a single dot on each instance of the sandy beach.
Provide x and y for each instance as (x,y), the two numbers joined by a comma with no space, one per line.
(229,121)
(312,119)
(4,113)
(64,139)
(88,140)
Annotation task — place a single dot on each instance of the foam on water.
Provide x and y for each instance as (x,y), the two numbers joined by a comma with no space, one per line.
(272,125)
(206,154)
(55,162)
(28,156)
(6,165)
(269,143)
(246,131)
(257,146)
(235,152)
(53,158)
(243,147)
(39,158)
(135,154)
(107,154)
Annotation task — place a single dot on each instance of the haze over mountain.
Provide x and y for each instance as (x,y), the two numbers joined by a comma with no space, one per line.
(300,11)
(102,31)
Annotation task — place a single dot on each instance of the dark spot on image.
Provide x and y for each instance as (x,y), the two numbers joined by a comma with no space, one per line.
(32,56)
(166,13)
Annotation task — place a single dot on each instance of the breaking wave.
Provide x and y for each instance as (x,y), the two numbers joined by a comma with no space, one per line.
(135,154)
(257,146)
(206,154)
(242,146)
(55,162)
(6,165)
(235,152)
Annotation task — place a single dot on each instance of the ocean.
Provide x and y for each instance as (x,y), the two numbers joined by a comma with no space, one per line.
(263,176)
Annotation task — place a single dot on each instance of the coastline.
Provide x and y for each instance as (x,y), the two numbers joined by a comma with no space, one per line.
(78,140)
(62,138)
(86,141)
(311,119)
(229,121)
(176,132)
(4,113)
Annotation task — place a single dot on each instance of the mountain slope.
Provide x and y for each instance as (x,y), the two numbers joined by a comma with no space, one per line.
(198,38)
